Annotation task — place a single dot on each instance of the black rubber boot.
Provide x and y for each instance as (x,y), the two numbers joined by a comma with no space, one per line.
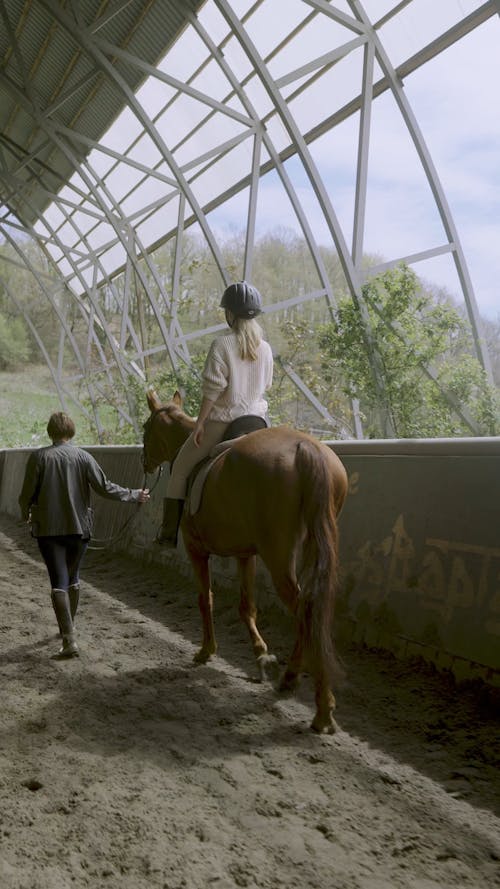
(172,514)
(60,603)
(56,612)
(74,599)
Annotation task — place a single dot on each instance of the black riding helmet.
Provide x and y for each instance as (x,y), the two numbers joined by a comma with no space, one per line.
(242,299)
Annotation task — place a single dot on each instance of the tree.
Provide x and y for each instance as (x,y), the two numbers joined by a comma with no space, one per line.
(410,332)
(14,346)
(110,397)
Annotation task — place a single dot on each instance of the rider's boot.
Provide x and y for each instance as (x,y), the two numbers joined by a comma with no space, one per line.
(172,514)
(61,605)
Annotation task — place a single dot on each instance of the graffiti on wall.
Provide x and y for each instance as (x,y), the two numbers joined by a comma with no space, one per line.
(460,575)
(443,576)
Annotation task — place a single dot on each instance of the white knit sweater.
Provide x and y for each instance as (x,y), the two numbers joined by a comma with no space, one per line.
(236,386)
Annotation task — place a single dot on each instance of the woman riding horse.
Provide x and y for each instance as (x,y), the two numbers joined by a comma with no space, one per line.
(238,370)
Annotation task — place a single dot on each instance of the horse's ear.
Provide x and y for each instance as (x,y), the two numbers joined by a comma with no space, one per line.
(177,399)
(153,401)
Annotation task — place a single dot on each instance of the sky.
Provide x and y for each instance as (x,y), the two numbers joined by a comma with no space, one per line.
(457,103)
(454,98)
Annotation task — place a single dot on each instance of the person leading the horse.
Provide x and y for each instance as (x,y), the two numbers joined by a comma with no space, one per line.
(55,499)
(238,370)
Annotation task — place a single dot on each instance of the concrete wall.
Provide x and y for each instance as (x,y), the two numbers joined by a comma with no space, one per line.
(420,543)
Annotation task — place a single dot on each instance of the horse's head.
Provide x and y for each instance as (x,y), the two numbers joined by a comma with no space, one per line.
(165,430)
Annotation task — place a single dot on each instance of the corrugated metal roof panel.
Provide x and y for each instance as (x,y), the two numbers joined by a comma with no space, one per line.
(54,63)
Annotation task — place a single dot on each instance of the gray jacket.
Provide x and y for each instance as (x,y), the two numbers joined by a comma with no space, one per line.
(56,490)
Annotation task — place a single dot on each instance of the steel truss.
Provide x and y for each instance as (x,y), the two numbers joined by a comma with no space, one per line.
(91,234)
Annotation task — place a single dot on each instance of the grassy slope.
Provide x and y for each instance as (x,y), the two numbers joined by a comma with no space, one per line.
(27,398)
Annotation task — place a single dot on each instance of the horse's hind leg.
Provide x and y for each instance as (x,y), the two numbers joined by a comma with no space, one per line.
(205,604)
(248,614)
(288,590)
(290,678)
(301,658)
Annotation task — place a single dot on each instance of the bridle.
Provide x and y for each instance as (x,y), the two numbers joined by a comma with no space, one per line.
(146,429)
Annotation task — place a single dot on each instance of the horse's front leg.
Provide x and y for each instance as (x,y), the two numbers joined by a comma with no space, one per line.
(248,614)
(201,569)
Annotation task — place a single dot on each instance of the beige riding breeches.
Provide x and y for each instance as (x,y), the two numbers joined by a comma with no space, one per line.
(189,455)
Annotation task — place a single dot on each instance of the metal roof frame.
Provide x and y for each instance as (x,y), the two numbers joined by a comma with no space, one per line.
(40,57)
(68,70)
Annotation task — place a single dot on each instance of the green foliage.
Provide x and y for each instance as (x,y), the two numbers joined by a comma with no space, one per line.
(287,406)
(408,331)
(20,291)
(27,398)
(14,347)
(109,398)
(408,327)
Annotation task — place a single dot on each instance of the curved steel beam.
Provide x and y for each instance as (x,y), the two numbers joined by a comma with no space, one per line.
(62,320)
(85,40)
(435,186)
(352,275)
(36,336)
(111,218)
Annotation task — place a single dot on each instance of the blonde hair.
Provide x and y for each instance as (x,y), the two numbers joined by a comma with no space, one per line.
(249,334)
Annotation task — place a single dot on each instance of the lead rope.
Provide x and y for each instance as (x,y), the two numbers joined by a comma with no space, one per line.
(105,542)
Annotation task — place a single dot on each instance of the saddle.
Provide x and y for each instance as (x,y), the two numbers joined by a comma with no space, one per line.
(196,481)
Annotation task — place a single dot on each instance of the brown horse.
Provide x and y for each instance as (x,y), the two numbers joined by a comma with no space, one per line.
(276,493)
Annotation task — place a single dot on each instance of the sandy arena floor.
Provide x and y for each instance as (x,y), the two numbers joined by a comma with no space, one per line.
(130,768)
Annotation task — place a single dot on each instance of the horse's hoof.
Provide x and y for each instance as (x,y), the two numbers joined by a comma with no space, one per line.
(289,683)
(268,667)
(202,656)
(324,728)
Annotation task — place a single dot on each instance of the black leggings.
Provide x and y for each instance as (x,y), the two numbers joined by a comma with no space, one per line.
(62,556)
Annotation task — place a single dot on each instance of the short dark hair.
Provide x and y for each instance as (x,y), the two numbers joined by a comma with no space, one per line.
(60,426)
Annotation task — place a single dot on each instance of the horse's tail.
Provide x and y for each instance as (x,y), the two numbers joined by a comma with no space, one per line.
(319,567)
